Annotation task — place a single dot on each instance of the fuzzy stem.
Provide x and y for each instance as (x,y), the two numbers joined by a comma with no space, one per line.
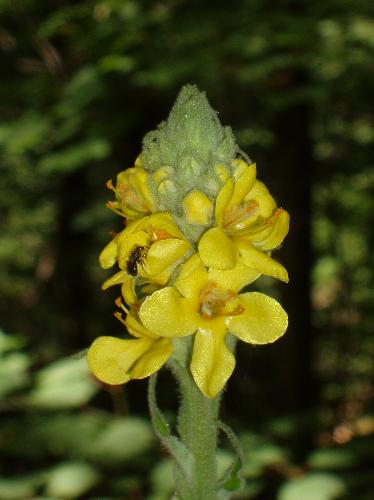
(197,426)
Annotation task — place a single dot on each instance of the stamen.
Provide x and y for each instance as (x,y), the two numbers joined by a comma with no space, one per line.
(158,234)
(216,301)
(111,205)
(130,198)
(239,213)
(118,316)
(120,304)
(278,213)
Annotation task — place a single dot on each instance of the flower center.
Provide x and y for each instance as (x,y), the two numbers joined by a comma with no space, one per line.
(264,224)
(158,234)
(127,198)
(130,199)
(216,301)
(237,215)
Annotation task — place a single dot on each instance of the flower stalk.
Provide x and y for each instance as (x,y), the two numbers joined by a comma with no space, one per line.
(197,428)
(199,228)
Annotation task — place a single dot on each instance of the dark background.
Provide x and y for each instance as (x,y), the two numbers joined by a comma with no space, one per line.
(81,83)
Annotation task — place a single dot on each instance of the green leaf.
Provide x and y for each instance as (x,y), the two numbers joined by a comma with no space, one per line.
(313,486)
(75,157)
(18,488)
(332,458)
(25,134)
(162,480)
(9,342)
(121,440)
(71,480)
(13,372)
(63,384)
(233,480)
(116,63)
(260,454)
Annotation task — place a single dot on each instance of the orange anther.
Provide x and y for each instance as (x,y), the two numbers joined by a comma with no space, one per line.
(278,212)
(162,234)
(118,316)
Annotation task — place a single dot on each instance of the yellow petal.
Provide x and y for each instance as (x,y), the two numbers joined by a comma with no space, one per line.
(262,322)
(239,167)
(243,185)
(136,328)
(160,278)
(190,266)
(223,199)
(116,279)
(197,207)
(165,253)
(234,279)
(166,314)
(281,221)
(137,225)
(162,225)
(217,250)
(260,261)
(212,362)
(192,278)
(266,203)
(111,359)
(133,194)
(139,181)
(108,256)
(123,177)
(153,359)
(128,291)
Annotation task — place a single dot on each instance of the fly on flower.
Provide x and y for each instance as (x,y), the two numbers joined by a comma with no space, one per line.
(136,257)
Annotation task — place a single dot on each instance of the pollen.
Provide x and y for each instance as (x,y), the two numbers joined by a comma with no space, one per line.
(159,234)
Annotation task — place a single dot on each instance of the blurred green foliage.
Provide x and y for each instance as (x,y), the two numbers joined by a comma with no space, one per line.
(82,82)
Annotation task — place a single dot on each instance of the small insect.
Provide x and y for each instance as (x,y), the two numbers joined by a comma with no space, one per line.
(137,256)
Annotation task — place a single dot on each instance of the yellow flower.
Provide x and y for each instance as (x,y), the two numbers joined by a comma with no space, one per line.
(207,302)
(134,198)
(116,361)
(248,224)
(149,249)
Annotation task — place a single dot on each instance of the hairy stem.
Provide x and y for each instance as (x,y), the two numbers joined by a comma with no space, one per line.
(197,426)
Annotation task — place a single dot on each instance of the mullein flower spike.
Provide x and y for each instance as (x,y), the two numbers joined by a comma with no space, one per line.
(199,228)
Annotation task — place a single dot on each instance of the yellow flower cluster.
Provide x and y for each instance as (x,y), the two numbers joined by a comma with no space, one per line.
(174,285)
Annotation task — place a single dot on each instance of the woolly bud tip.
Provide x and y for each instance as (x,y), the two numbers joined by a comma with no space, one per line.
(192,138)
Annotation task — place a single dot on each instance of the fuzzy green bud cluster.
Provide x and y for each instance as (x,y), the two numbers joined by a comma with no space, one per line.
(192,150)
